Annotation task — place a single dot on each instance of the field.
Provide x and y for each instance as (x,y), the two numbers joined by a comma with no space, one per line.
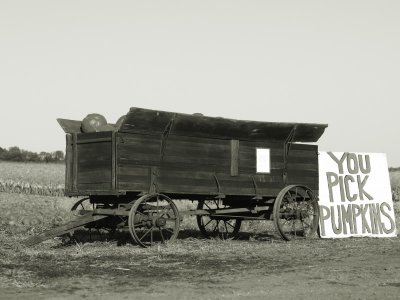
(103,266)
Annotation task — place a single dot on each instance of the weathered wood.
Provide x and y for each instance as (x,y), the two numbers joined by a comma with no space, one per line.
(68,163)
(94,135)
(94,176)
(123,162)
(91,141)
(150,121)
(70,126)
(75,162)
(84,220)
(103,186)
(234,157)
(114,166)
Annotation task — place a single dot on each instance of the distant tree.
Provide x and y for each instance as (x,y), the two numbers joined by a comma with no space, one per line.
(14,154)
(17,154)
(58,155)
(2,151)
(45,156)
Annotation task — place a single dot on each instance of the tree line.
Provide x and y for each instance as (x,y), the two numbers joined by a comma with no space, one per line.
(17,154)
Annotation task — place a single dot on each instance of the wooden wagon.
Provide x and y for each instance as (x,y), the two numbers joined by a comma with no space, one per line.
(236,170)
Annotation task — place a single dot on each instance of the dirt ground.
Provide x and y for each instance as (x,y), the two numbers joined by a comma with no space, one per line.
(255,267)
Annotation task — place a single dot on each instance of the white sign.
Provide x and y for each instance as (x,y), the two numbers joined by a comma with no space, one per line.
(354,195)
(263,160)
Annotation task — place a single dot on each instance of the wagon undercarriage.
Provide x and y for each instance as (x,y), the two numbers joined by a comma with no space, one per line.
(154,218)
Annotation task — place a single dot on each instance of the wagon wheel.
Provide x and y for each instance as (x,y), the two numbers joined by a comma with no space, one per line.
(82,206)
(296,212)
(211,227)
(153,219)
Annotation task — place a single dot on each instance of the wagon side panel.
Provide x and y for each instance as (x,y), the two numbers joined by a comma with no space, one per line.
(193,165)
(302,165)
(92,164)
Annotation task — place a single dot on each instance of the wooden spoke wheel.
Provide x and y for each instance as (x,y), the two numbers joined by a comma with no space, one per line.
(82,206)
(296,212)
(153,219)
(226,228)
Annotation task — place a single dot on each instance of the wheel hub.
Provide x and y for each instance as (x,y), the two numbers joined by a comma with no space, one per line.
(161,222)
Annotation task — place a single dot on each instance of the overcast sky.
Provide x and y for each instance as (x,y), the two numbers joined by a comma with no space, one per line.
(334,62)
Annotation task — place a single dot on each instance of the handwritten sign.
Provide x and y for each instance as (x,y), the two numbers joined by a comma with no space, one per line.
(354,195)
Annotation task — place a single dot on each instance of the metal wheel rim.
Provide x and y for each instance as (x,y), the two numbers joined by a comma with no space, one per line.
(226,229)
(296,213)
(155,232)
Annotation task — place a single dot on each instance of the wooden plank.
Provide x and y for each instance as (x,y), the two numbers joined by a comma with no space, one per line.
(70,126)
(97,150)
(114,161)
(250,146)
(276,168)
(133,170)
(75,161)
(133,186)
(306,147)
(234,157)
(184,141)
(302,167)
(302,153)
(93,135)
(94,186)
(301,180)
(123,178)
(122,162)
(187,189)
(193,182)
(84,220)
(306,160)
(95,165)
(95,140)
(68,162)
(303,173)
(150,121)
(172,152)
(94,176)
(227,185)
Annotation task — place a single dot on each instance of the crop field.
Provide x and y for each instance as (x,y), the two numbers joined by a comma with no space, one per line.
(99,265)
(39,173)
(32,178)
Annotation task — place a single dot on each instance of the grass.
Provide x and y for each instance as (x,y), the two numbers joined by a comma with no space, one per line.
(206,269)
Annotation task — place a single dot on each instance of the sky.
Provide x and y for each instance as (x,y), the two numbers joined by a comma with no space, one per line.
(331,62)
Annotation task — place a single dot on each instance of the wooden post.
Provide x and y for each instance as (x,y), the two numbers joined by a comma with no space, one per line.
(68,163)
(234,157)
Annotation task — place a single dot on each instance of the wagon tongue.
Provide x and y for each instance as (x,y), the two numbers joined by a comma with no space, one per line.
(81,221)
